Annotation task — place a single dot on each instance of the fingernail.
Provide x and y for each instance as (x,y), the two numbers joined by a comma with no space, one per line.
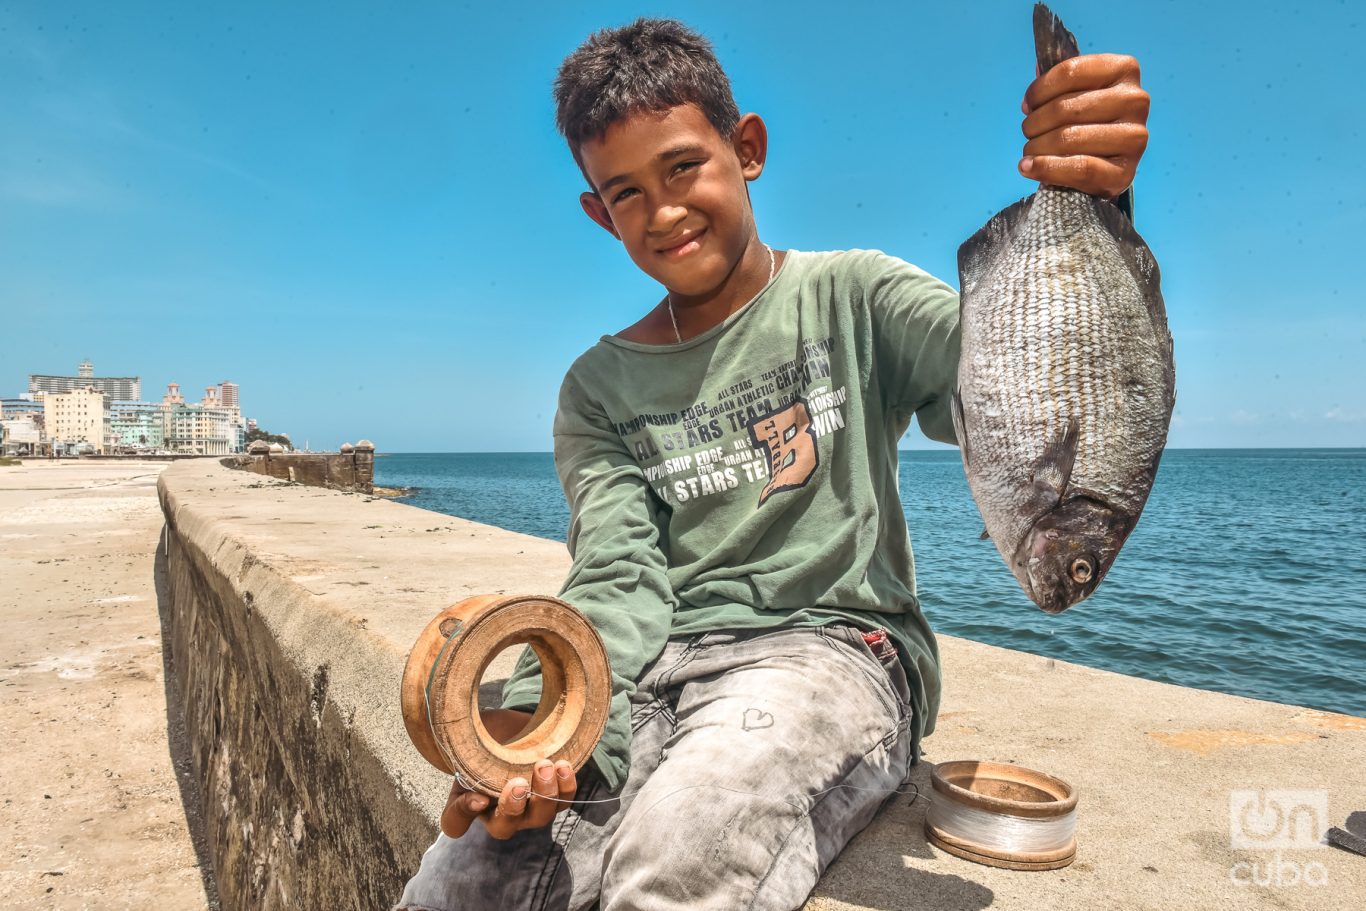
(1027,164)
(545,772)
(478,803)
(564,771)
(519,792)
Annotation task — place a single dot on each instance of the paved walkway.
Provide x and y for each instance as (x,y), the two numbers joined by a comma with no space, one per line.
(91,815)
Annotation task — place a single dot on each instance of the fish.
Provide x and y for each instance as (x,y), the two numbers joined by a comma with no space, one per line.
(1066,378)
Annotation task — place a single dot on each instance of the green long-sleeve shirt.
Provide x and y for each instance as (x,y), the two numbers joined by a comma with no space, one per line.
(747,477)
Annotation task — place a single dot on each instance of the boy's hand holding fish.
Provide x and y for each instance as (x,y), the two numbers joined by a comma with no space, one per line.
(1086,120)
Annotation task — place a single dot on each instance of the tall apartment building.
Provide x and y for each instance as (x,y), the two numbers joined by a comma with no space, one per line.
(115,388)
(229,394)
(81,416)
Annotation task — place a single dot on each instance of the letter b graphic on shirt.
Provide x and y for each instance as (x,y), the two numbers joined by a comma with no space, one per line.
(790,441)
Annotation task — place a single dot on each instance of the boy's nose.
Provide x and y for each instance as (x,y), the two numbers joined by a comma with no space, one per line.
(666,218)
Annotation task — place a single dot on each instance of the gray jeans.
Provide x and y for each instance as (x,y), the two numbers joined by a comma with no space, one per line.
(739,739)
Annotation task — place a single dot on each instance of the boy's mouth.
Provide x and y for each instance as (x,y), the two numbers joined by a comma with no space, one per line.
(688,243)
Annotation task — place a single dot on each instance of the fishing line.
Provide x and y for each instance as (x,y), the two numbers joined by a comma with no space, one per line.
(1002,815)
(1002,831)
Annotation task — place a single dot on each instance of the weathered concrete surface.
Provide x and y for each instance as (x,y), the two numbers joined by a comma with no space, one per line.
(294,609)
(92,816)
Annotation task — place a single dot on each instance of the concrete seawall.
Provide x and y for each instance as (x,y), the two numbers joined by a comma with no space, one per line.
(353,468)
(291,610)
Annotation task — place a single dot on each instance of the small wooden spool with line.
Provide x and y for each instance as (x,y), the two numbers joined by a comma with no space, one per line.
(1002,815)
(440,695)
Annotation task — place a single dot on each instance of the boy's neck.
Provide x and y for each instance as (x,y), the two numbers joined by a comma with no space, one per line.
(699,313)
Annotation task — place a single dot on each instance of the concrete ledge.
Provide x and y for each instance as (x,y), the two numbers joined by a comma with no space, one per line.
(292,610)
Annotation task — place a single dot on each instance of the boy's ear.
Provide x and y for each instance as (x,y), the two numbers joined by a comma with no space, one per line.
(595,209)
(750,140)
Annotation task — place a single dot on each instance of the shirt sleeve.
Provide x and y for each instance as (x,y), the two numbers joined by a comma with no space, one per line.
(915,342)
(618,577)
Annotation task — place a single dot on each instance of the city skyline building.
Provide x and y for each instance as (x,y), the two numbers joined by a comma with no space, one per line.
(86,412)
(117,388)
(18,408)
(77,419)
(138,425)
(21,436)
(208,427)
(199,429)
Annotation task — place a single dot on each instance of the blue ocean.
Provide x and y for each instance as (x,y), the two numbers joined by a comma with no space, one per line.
(1246,574)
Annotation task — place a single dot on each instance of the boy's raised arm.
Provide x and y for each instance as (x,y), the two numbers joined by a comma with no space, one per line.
(915,342)
(1086,125)
(618,578)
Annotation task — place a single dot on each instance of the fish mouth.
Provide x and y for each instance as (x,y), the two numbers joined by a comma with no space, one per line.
(1066,554)
(1052,597)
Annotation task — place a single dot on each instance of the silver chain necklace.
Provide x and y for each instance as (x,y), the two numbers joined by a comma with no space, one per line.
(669,300)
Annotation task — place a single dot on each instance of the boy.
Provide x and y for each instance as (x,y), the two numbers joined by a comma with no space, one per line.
(738,538)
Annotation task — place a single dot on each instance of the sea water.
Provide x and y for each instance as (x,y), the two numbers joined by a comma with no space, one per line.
(1246,573)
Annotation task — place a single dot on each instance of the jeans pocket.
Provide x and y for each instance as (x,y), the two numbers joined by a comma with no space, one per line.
(879,671)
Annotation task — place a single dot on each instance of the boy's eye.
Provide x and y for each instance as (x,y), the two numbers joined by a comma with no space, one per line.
(623,194)
(685,165)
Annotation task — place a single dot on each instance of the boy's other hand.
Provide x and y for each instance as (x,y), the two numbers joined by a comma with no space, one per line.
(1086,120)
(522,804)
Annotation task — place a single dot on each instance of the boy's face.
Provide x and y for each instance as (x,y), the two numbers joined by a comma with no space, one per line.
(672,189)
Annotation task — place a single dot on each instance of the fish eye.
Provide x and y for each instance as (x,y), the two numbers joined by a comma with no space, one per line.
(1082,570)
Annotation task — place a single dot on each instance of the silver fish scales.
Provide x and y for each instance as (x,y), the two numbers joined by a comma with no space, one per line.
(1066,381)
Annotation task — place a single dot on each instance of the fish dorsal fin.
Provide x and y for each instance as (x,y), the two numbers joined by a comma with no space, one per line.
(960,427)
(1053,43)
(1053,471)
(993,238)
(1136,255)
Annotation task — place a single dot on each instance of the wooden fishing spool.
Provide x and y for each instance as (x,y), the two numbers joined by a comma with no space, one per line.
(440,693)
(1002,815)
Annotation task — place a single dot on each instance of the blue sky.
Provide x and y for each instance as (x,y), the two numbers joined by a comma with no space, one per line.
(364,216)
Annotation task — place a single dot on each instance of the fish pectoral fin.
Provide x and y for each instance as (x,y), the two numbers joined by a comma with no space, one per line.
(1053,471)
(984,536)
(960,426)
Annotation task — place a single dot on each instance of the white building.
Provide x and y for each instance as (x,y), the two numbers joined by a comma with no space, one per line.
(198,429)
(209,427)
(77,420)
(20,436)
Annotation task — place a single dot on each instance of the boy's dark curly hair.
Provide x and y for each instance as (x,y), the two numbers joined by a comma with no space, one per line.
(649,65)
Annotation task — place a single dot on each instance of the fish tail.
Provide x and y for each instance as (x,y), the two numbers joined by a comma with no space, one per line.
(1053,43)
